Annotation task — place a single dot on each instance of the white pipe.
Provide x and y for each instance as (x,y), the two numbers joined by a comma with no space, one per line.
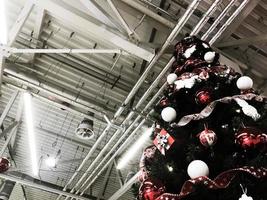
(205,18)
(130,115)
(191,8)
(218,20)
(60,51)
(171,37)
(229,21)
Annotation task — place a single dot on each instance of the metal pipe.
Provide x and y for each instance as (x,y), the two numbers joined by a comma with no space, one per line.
(171,37)
(60,51)
(130,115)
(125,134)
(218,20)
(149,13)
(229,21)
(39,186)
(122,21)
(191,8)
(205,18)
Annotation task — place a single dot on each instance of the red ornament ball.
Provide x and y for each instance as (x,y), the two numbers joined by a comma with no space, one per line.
(150,190)
(4,164)
(203,97)
(250,137)
(164,102)
(207,138)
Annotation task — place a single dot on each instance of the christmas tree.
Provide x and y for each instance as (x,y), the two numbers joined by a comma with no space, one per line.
(210,133)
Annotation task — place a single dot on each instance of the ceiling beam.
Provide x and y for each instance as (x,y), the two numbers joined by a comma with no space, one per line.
(125,187)
(105,182)
(238,20)
(260,39)
(25,12)
(37,29)
(35,183)
(22,17)
(60,11)
(99,13)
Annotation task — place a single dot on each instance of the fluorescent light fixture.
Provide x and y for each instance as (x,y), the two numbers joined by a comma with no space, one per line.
(3,32)
(135,148)
(51,161)
(31,136)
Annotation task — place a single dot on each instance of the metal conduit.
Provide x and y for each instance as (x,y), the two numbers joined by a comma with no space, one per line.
(125,134)
(129,116)
(229,21)
(205,18)
(219,19)
(171,37)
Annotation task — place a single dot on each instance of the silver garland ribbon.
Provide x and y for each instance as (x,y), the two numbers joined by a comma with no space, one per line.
(209,108)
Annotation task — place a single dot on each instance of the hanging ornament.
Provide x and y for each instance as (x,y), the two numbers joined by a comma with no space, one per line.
(150,190)
(163,141)
(171,78)
(197,168)
(4,164)
(250,137)
(244,83)
(164,102)
(209,56)
(203,97)
(244,195)
(207,137)
(168,114)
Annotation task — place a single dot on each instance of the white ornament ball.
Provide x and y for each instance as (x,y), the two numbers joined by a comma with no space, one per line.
(197,168)
(168,114)
(244,83)
(209,56)
(171,78)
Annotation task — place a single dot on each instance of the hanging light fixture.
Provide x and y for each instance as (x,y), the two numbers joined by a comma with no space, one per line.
(84,130)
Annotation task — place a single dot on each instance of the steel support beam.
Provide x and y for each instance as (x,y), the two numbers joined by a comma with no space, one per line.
(37,29)
(238,20)
(105,182)
(149,13)
(260,39)
(8,107)
(98,12)
(41,187)
(125,187)
(25,12)
(59,10)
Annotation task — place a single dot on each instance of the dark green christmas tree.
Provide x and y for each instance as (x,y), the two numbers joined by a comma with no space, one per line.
(210,135)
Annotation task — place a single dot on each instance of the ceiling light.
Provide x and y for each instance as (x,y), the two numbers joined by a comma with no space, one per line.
(51,161)
(31,135)
(3,32)
(85,130)
(135,148)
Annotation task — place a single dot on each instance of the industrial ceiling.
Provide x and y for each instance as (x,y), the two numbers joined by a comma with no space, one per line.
(104,60)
